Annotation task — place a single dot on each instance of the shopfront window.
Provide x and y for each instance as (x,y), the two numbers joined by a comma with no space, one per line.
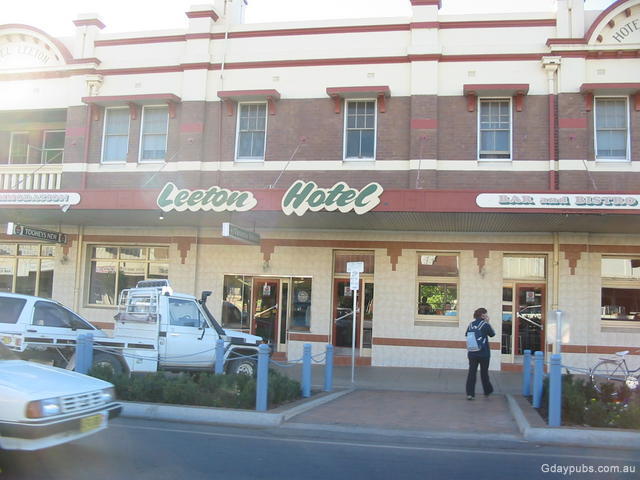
(27,269)
(437,286)
(115,268)
(620,296)
(235,302)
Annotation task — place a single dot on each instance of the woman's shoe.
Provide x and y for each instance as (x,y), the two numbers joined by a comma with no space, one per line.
(469,397)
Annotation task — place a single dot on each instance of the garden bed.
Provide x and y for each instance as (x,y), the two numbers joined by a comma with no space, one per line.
(584,406)
(200,389)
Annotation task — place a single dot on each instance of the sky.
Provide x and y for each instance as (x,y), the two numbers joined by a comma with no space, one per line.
(56,16)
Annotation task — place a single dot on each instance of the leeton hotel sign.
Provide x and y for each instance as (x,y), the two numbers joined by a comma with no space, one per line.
(299,198)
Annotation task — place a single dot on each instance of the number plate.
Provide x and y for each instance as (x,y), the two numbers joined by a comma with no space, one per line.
(91,423)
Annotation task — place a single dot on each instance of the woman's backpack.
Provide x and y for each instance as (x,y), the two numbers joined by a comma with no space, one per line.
(475,338)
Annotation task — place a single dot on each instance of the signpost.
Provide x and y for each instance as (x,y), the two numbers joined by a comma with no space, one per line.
(245,236)
(36,233)
(354,269)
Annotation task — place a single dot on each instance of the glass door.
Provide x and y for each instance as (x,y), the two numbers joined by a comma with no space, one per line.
(343,314)
(529,321)
(367,321)
(265,309)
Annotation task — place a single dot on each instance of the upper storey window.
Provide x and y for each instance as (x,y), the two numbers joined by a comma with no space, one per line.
(494,127)
(19,148)
(360,130)
(53,146)
(252,131)
(115,144)
(611,127)
(155,124)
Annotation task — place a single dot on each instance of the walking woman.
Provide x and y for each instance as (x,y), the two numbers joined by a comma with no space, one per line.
(482,329)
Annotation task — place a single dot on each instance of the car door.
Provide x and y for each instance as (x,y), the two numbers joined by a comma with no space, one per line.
(52,319)
(190,341)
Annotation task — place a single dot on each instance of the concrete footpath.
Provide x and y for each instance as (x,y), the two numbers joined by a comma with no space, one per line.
(415,402)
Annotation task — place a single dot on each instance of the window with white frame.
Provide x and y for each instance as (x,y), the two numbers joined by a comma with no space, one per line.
(437,286)
(19,148)
(114,268)
(115,144)
(252,129)
(360,130)
(494,127)
(611,126)
(620,295)
(53,146)
(153,142)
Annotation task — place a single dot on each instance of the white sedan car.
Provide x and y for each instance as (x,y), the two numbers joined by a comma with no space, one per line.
(43,406)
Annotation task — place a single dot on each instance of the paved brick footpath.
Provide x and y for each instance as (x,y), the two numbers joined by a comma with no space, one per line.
(442,412)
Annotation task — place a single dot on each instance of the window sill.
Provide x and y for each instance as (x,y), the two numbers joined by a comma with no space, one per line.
(300,329)
(436,322)
(620,326)
(250,160)
(359,160)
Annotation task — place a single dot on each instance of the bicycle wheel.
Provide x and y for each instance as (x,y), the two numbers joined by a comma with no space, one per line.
(606,376)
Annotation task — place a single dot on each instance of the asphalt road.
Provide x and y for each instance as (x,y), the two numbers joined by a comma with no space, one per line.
(139,450)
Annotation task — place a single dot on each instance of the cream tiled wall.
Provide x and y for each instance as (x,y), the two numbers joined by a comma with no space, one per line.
(205,266)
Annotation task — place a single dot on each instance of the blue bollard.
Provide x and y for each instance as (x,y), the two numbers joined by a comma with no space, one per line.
(555,391)
(89,350)
(84,353)
(328,369)
(262,383)
(81,362)
(219,366)
(526,373)
(538,374)
(306,370)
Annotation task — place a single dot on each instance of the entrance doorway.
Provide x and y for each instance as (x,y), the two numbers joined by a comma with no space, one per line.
(265,309)
(529,320)
(343,314)
(523,319)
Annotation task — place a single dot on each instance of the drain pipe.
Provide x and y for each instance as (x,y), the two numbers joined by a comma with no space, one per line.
(551,65)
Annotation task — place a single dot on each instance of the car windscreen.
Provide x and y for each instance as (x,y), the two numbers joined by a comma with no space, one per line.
(10,309)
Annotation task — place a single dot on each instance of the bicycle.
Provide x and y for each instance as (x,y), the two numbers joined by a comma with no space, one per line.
(614,370)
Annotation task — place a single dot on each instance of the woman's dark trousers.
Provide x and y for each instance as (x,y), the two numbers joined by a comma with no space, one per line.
(484,375)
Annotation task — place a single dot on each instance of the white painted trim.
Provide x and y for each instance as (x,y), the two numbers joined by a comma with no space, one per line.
(104,131)
(264,147)
(595,129)
(330,165)
(478,142)
(375,130)
(166,135)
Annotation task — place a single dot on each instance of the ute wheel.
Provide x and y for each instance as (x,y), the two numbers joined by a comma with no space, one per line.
(108,361)
(243,366)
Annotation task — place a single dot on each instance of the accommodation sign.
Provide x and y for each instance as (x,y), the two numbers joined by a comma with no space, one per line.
(215,198)
(558,201)
(303,196)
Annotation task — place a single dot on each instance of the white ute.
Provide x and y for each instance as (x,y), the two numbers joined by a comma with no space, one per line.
(155,329)
(43,406)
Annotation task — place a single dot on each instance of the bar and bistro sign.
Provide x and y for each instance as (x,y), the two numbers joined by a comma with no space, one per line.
(299,198)
(558,201)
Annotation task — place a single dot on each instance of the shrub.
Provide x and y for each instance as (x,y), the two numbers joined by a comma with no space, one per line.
(582,404)
(203,389)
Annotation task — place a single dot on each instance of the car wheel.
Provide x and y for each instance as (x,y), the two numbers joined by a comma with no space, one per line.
(243,366)
(108,361)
